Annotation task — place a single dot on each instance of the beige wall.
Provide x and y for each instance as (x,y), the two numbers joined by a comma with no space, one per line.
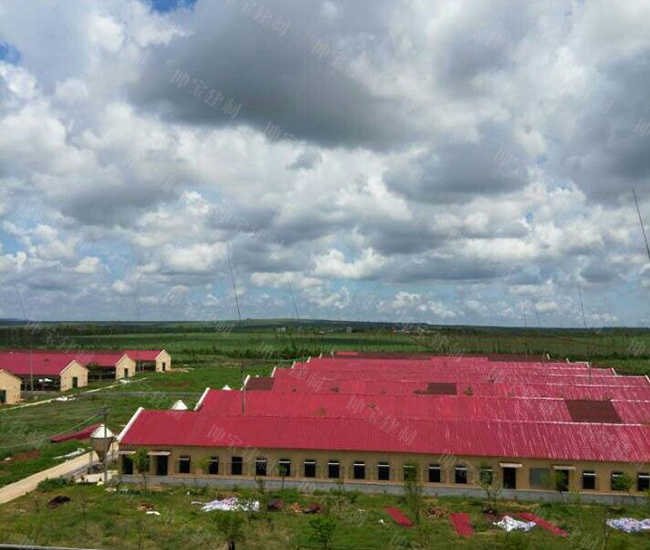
(72,370)
(165,358)
(346,459)
(124,363)
(11,385)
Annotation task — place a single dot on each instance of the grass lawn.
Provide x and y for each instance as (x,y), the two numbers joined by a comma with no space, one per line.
(116,520)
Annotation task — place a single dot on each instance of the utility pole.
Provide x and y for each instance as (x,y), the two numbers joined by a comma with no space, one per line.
(104,415)
(243,390)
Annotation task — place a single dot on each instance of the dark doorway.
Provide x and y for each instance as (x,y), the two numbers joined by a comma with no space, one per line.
(75,382)
(510,478)
(127,465)
(162,465)
(3,397)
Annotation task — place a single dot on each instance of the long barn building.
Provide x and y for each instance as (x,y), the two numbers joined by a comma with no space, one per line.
(535,429)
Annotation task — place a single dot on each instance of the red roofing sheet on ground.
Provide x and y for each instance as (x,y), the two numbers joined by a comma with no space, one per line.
(399,517)
(556,441)
(81,434)
(548,526)
(461,523)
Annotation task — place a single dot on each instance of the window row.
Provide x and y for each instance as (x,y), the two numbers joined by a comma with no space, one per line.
(541,478)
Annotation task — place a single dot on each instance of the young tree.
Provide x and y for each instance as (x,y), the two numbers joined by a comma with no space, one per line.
(488,482)
(141,463)
(413,490)
(323,529)
(230,525)
(622,482)
(282,471)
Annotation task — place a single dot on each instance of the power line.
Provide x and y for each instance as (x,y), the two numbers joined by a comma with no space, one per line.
(638,211)
(234,285)
(582,308)
(293,300)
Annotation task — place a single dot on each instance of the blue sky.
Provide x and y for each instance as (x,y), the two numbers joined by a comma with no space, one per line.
(389,163)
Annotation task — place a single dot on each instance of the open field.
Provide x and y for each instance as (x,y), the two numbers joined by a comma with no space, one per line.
(113,520)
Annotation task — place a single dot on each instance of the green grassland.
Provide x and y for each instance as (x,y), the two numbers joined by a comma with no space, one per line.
(116,520)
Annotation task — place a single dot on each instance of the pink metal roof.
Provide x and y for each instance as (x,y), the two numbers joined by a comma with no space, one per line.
(408,406)
(143,354)
(42,363)
(101,359)
(513,389)
(464,377)
(555,441)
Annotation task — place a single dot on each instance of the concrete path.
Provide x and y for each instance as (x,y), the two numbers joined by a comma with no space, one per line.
(27,485)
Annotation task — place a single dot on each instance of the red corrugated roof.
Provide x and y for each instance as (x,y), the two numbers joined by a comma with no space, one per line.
(103,359)
(401,387)
(464,377)
(408,406)
(143,354)
(42,363)
(555,441)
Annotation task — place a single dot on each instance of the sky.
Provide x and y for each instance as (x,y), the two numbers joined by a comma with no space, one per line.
(451,162)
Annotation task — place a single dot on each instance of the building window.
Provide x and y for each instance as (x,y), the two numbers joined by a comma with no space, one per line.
(460,475)
(236,466)
(127,465)
(213,466)
(333,469)
(539,478)
(588,480)
(434,473)
(383,471)
(184,464)
(643,482)
(260,466)
(359,470)
(284,467)
(310,468)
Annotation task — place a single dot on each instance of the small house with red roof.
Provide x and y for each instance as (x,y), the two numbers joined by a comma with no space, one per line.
(157,360)
(9,388)
(44,371)
(109,365)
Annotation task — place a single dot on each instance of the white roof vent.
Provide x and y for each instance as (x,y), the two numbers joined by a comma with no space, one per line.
(179,406)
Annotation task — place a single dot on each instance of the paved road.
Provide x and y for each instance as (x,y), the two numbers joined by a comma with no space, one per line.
(27,485)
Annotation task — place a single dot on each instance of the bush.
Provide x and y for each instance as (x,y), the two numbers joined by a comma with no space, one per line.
(48,485)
